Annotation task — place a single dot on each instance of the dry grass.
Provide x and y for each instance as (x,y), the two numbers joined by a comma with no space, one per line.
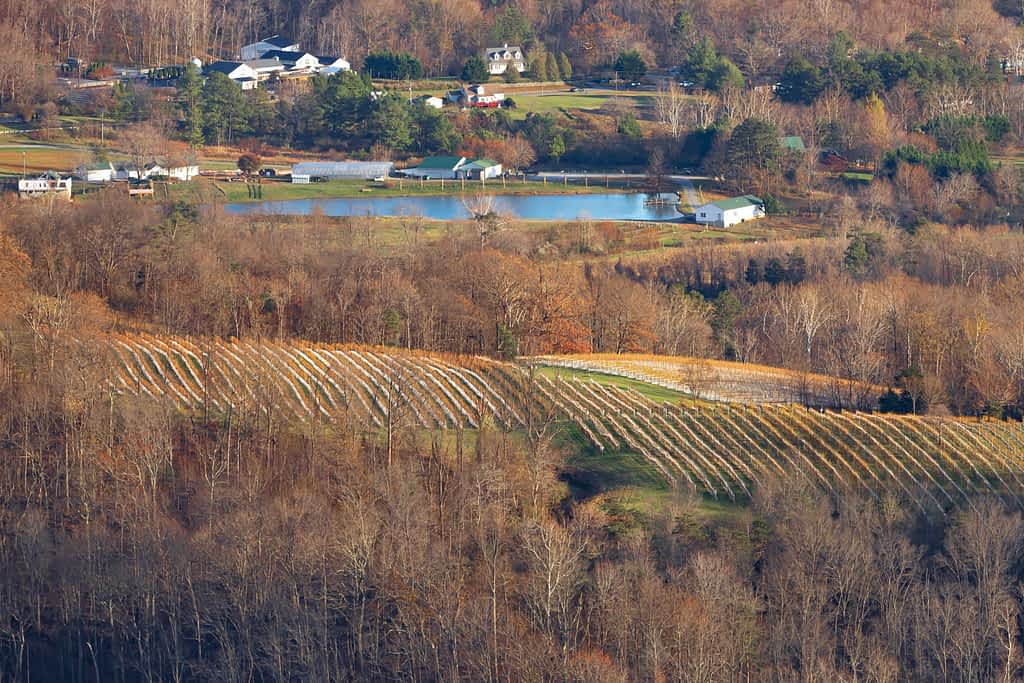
(723,380)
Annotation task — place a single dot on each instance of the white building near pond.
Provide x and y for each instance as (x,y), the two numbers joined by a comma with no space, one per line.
(726,212)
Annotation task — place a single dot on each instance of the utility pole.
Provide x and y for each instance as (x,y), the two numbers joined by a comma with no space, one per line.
(24,164)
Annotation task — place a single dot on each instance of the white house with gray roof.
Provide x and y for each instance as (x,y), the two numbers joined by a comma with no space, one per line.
(501,59)
(726,212)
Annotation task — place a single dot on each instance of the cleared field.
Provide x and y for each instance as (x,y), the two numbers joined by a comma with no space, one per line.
(37,158)
(710,449)
(586,101)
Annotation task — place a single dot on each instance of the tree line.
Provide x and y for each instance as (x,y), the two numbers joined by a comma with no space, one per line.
(934,314)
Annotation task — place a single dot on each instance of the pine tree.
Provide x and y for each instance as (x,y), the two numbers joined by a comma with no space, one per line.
(564,67)
(551,66)
(190,102)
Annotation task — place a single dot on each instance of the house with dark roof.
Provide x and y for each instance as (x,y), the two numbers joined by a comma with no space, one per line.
(332,65)
(275,42)
(240,72)
(501,59)
(726,212)
(293,60)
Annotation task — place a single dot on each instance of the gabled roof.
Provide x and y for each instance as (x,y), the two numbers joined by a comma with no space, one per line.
(223,67)
(448,163)
(737,202)
(263,63)
(792,142)
(498,52)
(286,56)
(482,163)
(277,41)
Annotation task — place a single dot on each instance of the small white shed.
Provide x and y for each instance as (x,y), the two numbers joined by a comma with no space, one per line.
(726,212)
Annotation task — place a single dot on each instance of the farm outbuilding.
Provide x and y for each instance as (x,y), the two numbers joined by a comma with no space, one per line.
(341,170)
(726,212)
(446,168)
(481,169)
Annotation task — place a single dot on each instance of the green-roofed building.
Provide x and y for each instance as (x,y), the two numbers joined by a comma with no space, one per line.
(482,168)
(792,143)
(438,167)
(726,212)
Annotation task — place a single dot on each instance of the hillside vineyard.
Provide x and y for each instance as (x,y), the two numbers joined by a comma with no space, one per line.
(722,450)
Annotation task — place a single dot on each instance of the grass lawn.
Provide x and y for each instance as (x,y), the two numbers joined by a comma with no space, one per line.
(629,489)
(651,391)
(547,104)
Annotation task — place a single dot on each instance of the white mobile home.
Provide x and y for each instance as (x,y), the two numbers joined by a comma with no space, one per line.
(726,212)
(96,173)
(49,184)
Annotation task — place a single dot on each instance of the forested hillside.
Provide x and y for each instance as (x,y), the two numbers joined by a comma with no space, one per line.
(757,36)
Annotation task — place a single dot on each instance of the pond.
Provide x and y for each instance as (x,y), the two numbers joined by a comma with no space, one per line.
(610,206)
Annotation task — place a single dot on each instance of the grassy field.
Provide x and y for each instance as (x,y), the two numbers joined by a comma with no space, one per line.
(655,393)
(561,102)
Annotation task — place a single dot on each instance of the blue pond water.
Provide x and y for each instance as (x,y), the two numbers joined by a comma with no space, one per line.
(609,206)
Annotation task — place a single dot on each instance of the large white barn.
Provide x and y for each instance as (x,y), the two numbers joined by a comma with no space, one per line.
(726,212)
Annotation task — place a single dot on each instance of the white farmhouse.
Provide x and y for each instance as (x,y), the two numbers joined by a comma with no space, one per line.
(332,65)
(256,50)
(240,72)
(501,59)
(726,212)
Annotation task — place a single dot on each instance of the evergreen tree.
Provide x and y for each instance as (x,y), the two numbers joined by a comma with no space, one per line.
(630,65)
(538,64)
(390,123)
(475,70)
(434,131)
(801,82)
(226,111)
(511,26)
(343,99)
(564,67)
(754,273)
(551,66)
(701,60)
(190,103)
(754,144)
(796,266)
(774,272)
(725,74)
